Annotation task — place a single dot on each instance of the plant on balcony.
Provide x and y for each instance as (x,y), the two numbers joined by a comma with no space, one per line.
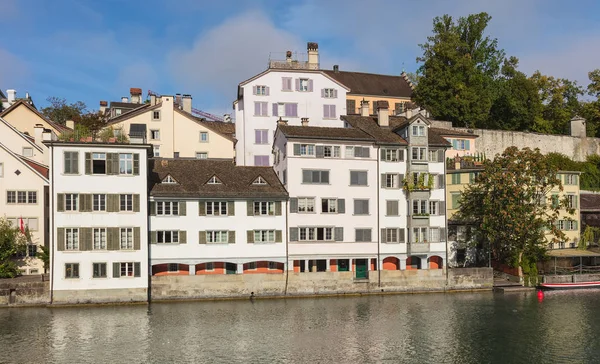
(424,182)
(421,214)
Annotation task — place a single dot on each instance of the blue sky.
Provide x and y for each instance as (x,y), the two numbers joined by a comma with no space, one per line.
(96,50)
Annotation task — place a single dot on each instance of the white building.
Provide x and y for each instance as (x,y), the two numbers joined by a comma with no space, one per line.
(98,233)
(212,217)
(288,89)
(353,201)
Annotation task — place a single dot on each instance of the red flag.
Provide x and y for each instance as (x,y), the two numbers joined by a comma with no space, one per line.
(22,226)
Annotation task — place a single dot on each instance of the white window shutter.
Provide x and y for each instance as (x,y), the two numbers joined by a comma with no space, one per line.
(310,85)
(267,91)
(253,90)
(335,93)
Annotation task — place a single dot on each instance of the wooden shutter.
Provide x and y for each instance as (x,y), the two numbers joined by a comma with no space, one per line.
(341,205)
(116,270)
(326,111)
(202,237)
(293,205)
(278,208)
(183,237)
(339,234)
(137,238)
(136,164)
(296,149)
(253,90)
(441,155)
(401,238)
(182,208)
(136,203)
(382,154)
(257,108)
(320,151)
(275,109)
(310,85)
(249,208)
(60,202)
(231,237)
(442,208)
(443,234)
(383,181)
(113,239)
(297,84)
(153,237)
(293,234)
(278,236)
(137,271)
(85,239)
(60,239)
(441,180)
(383,236)
(201,208)
(152,208)
(110,164)
(351,107)
(400,155)
(230,208)
(284,84)
(335,93)
(322,92)
(88,163)
(112,203)
(250,236)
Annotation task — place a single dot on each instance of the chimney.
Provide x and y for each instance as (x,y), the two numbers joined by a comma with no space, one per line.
(336,68)
(281,121)
(187,103)
(304,121)
(288,57)
(227,118)
(136,95)
(124,99)
(152,99)
(313,55)
(383,113)
(11,96)
(103,105)
(38,133)
(408,113)
(578,127)
(70,124)
(178,100)
(364,108)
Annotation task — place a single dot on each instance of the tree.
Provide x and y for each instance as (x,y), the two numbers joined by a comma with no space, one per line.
(59,111)
(92,121)
(510,206)
(12,243)
(44,256)
(458,71)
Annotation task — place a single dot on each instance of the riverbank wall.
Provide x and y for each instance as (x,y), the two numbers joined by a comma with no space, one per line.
(25,291)
(571,278)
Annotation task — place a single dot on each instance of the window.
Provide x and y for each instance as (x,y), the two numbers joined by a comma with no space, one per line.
(285,176)
(315,177)
(259,181)
(99,239)
(251,266)
(261,160)
(456,179)
(98,202)
(264,208)
(260,108)
(392,180)
(285,109)
(155,134)
(11,196)
(203,137)
(27,152)
(391,208)
(126,203)
(570,179)
(419,154)
(418,130)
(286,84)
(22,197)
(329,112)
(307,149)
(201,155)
(419,235)
(315,233)
(419,207)
(329,205)
(264,236)
(127,269)
(98,163)
(560,224)
(126,163)
(72,270)
(71,202)
(433,156)
(261,136)
(261,90)
(434,208)
(357,152)
(98,270)
(126,238)
(363,235)
(306,204)
(459,144)
(71,165)
(214,181)
(217,237)
(434,235)
(358,178)
(329,93)
(1,170)
(169,180)
(209,266)
(117,111)
(31,250)
(156,150)
(29,222)
(272,265)
(71,239)
(361,207)
(571,225)
(173,267)
(156,115)
(393,155)
(572,201)
(391,236)
(167,237)
(216,208)
(303,84)
(32,197)
(167,208)
(331,151)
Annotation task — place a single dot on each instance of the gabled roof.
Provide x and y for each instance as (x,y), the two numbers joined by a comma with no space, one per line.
(40,170)
(124,105)
(318,132)
(26,137)
(372,84)
(134,112)
(60,128)
(192,175)
(590,202)
(227,130)
(370,125)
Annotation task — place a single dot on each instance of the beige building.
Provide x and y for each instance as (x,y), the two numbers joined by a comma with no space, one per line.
(174,132)
(24,117)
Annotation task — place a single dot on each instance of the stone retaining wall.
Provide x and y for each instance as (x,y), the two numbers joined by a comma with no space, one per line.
(571,278)
(24,291)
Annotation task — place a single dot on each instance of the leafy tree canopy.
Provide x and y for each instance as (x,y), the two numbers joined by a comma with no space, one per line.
(59,111)
(12,243)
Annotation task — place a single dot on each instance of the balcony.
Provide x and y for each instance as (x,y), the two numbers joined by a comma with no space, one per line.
(417,248)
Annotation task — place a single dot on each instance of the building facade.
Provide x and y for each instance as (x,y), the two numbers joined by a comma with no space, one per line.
(99,222)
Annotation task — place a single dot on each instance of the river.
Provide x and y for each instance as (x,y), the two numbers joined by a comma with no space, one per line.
(427,328)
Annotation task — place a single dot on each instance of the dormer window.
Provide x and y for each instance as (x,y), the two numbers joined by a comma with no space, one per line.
(418,130)
(259,181)
(169,180)
(214,181)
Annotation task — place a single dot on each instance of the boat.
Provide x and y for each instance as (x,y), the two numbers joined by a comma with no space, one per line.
(577,285)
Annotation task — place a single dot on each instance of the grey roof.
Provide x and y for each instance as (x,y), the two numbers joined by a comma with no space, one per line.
(372,84)
(318,132)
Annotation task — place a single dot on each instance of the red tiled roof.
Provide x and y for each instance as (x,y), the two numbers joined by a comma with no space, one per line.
(42,169)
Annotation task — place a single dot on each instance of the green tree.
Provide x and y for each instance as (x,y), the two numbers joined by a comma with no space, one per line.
(459,67)
(59,111)
(92,121)
(510,206)
(12,243)
(44,256)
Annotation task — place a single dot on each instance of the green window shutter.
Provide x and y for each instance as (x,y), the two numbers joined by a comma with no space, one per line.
(230,208)
(88,163)
(116,270)
(575,225)
(112,203)
(293,234)
(136,203)
(109,164)
(383,184)
(85,239)
(293,205)
(341,206)
(202,237)
(250,236)
(231,237)
(278,208)
(183,237)
(153,237)
(137,271)
(401,235)
(60,239)
(137,238)
(81,202)
(383,236)
(443,234)
(249,208)
(339,234)
(136,164)
(576,180)
(555,200)
(60,202)
(115,163)
(182,208)
(89,202)
(113,239)
(278,236)
(152,208)
(382,153)
(202,208)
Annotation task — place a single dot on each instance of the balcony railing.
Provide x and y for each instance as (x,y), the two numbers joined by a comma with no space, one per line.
(415,248)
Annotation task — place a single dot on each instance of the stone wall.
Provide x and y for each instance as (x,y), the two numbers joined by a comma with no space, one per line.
(24,291)
(317,283)
(571,278)
(131,295)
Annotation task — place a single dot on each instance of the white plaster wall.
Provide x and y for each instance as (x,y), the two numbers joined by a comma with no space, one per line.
(393,194)
(15,142)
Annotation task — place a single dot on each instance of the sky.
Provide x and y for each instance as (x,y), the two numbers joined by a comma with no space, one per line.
(88,50)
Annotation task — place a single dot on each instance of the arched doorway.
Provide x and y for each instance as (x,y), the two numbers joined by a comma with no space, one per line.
(391,263)
(413,263)
(435,262)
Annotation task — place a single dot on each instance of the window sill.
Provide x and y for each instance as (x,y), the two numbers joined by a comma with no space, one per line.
(330,118)
(358,185)
(419,161)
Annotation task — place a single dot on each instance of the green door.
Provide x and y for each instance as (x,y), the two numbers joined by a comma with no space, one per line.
(361,269)
(343,265)
(230,268)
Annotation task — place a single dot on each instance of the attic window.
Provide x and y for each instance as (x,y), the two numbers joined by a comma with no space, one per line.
(259,181)
(214,181)
(169,180)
